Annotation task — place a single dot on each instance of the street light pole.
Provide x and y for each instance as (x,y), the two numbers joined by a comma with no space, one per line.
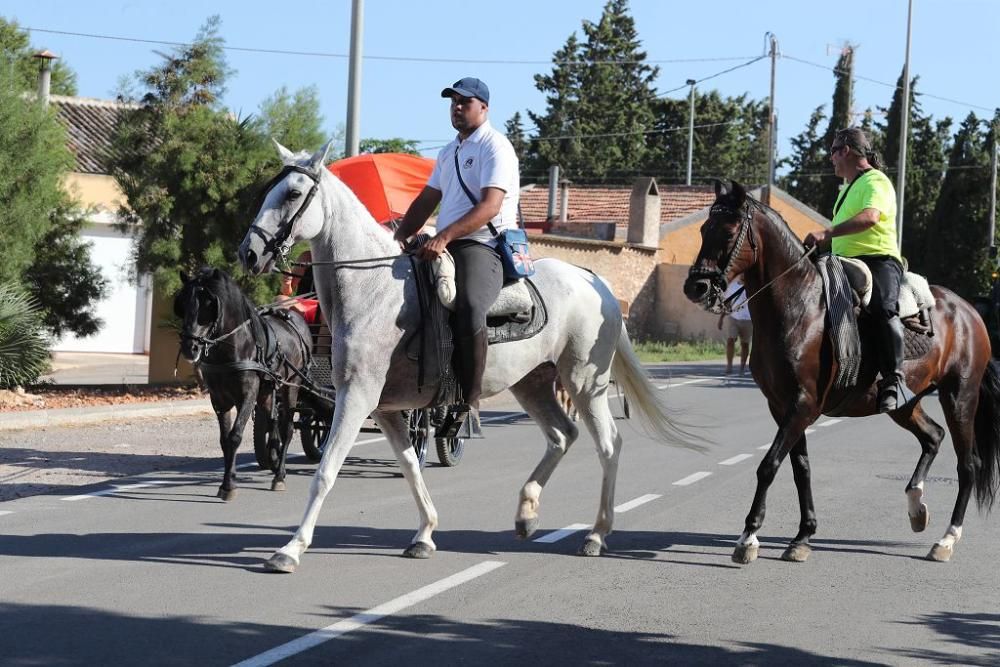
(772,118)
(691,83)
(351,135)
(903,133)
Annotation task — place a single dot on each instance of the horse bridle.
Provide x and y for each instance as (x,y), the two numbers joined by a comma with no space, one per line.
(717,276)
(277,244)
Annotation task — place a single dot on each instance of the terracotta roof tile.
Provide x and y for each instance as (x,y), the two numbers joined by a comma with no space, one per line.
(610,204)
(90,125)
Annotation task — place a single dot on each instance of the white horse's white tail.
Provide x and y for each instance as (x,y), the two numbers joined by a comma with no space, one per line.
(631,377)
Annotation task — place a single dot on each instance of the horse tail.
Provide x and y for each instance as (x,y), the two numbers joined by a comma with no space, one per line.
(988,437)
(641,395)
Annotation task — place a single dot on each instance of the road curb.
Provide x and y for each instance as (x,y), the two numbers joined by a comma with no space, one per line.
(14,421)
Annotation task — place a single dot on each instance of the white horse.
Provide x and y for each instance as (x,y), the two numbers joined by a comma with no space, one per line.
(372,309)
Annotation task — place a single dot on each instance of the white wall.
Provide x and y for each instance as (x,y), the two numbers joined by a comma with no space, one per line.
(125,309)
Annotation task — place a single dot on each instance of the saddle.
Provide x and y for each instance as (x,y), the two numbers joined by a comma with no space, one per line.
(518,313)
(915,297)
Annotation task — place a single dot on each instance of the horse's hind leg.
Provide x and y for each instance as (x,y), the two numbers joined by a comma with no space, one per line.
(285,426)
(534,393)
(960,412)
(393,425)
(930,434)
(593,408)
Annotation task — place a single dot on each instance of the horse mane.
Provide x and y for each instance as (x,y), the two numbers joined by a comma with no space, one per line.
(789,242)
(232,298)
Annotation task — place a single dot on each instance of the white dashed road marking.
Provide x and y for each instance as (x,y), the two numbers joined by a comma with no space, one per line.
(830,422)
(117,489)
(641,500)
(686,382)
(736,459)
(557,535)
(691,479)
(6,512)
(374,614)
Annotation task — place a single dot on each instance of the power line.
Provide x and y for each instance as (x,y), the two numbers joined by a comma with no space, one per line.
(416,59)
(712,76)
(888,85)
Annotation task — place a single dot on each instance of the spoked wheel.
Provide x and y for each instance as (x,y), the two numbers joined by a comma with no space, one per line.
(450,450)
(312,433)
(261,430)
(418,430)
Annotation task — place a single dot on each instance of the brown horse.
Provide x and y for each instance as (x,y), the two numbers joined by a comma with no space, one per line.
(792,362)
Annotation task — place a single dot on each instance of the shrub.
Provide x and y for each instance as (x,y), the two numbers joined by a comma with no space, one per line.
(24,347)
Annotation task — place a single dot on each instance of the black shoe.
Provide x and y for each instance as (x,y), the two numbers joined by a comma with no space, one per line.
(894,395)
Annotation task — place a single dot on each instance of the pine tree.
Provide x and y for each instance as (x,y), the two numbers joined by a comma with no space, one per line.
(17,54)
(958,226)
(809,164)
(840,118)
(599,112)
(514,130)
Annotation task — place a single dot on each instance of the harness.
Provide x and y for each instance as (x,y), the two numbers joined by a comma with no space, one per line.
(278,244)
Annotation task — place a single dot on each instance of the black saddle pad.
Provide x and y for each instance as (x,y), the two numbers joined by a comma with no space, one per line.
(506,330)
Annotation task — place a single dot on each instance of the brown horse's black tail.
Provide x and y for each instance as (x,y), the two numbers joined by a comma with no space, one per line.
(988,437)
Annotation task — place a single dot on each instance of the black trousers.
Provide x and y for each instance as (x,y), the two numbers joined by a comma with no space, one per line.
(887,275)
(478,281)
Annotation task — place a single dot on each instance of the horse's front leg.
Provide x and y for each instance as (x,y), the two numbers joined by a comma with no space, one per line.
(232,436)
(353,407)
(790,432)
(393,425)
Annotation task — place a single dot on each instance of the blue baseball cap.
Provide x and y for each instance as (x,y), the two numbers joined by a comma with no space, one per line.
(470,86)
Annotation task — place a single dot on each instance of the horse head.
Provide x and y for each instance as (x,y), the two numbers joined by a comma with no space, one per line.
(199,308)
(288,213)
(725,251)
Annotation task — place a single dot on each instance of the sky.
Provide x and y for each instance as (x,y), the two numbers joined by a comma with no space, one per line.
(414,49)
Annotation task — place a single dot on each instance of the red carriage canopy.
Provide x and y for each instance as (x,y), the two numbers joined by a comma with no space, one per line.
(386,183)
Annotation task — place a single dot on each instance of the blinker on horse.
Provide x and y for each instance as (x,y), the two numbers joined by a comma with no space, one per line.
(369,294)
(248,360)
(792,363)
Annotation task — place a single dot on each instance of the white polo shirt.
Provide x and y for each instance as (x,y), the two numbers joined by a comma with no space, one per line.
(487,160)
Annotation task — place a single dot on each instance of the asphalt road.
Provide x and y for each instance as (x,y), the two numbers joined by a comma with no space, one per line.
(156,570)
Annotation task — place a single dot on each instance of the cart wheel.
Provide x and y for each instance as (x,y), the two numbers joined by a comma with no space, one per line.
(261,430)
(312,434)
(418,428)
(450,450)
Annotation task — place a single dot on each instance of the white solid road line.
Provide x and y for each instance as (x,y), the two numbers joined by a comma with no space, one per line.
(691,479)
(374,614)
(641,500)
(830,422)
(557,535)
(736,459)
(118,489)
(6,512)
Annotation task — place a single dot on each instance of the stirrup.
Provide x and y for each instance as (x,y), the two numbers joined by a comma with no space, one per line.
(471,427)
(899,395)
(459,424)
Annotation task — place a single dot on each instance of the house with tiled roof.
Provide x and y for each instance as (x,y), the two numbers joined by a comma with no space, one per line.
(126,309)
(643,239)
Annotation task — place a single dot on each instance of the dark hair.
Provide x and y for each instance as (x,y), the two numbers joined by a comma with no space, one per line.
(857,140)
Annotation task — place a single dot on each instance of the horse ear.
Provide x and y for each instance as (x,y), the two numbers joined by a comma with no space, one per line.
(185,278)
(720,189)
(216,274)
(318,158)
(738,192)
(287,156)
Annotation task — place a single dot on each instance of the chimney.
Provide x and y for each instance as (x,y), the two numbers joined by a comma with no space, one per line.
(45,59)
(564,203)
(553,192)
(644,213)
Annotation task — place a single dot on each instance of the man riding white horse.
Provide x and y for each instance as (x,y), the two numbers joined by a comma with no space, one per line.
(476,182)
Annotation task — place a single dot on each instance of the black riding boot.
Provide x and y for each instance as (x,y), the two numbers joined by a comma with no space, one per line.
(470,363)
(893,393)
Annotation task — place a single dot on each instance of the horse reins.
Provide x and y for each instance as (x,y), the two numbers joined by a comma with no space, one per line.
(278,243)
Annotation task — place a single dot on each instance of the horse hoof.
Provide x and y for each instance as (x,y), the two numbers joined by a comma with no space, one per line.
(277,485)
(590,548)
(525,528)
(227,495)
(279,562)
(745,553)
(940,553)
(420,550)
(797,553)
(919,523)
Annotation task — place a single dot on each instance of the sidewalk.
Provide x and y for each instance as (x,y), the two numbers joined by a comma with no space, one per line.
(83,368)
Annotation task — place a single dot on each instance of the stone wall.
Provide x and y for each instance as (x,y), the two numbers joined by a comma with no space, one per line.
(630,269)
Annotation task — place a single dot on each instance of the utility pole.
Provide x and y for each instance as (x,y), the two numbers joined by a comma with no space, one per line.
(352,139)
(992,244)
(903,132)
(691,83)
(772,120)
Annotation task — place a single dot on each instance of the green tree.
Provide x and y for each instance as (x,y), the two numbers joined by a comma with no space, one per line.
(514,129)
(393,145)
(293,119)
(191,171)
(600,101)
(959,225)
(18,58)
(808,164)
(24,349)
